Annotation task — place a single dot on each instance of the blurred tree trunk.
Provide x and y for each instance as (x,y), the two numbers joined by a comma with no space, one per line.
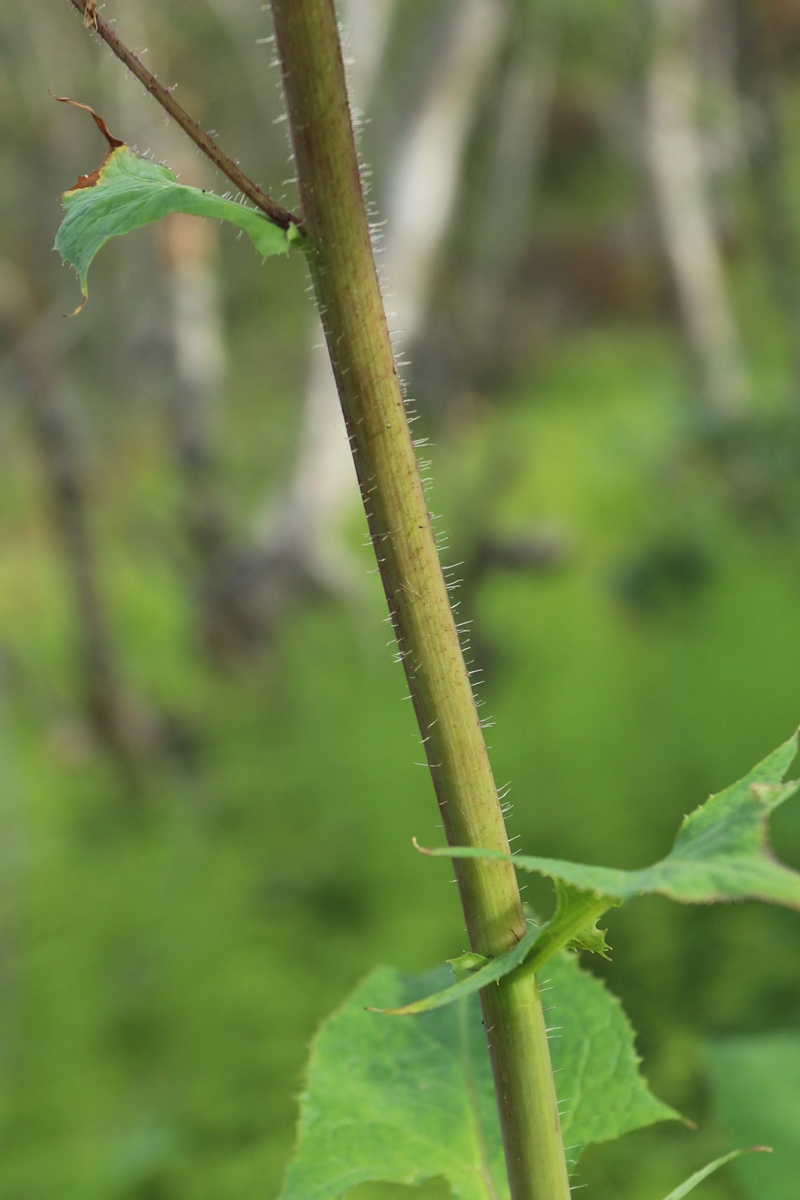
(769,170)
(427,169)
(525,88)
(121,723)
(367,25)
(676,159)
(198,358)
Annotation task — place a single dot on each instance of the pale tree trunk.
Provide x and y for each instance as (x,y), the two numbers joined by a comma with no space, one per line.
(366,28)
(199,363)
(428,168)
(770,171)
(504,203)
(676,159)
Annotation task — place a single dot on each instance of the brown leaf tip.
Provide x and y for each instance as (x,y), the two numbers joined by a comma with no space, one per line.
(87,181)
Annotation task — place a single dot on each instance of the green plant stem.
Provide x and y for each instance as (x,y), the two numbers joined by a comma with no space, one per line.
(349,300)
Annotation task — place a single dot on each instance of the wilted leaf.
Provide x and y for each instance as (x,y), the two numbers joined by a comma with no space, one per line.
(127,192)
(406,1101)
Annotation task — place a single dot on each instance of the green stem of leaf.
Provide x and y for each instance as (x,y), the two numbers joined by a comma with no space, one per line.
(349,299)
(560,932)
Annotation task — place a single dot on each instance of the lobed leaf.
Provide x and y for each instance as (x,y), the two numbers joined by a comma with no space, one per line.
(721,851)
(600,1089)
(127,192)
(587,935)
(407,1101)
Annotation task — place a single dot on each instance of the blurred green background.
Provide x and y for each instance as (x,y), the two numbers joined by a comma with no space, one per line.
(209,779)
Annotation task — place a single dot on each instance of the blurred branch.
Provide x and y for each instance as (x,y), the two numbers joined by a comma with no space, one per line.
(278,215)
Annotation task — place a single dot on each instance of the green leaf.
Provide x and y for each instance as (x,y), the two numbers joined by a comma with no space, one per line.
(397,1101)
(406,1101)
(127,192)
(698,1177)
(573,926)
(755,1085)
(721,851)
(467,964)
(588,937)
(601,1092)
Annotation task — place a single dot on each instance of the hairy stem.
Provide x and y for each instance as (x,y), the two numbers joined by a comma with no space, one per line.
(278,215)
(349,299)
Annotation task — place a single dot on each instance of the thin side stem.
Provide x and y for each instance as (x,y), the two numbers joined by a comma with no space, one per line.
(278,215)
(349,299)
